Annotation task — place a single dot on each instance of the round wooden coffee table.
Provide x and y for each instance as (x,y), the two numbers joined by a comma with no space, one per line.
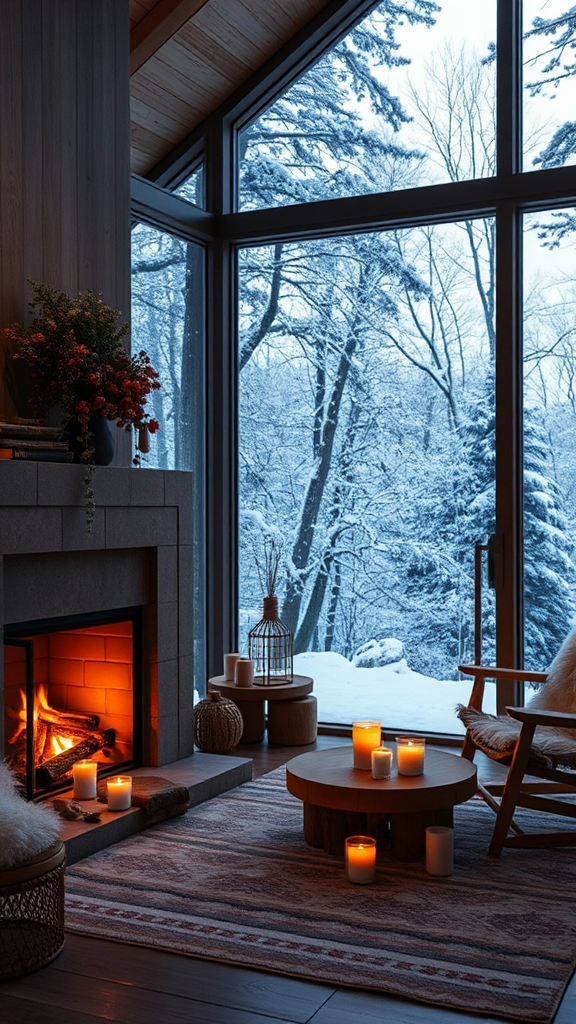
(251,699)
(340,801)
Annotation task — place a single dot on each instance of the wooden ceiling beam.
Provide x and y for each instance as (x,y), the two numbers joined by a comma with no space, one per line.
(158,26)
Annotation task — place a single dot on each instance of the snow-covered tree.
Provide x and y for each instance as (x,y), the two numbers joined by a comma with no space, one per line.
(553,65)
(549,570)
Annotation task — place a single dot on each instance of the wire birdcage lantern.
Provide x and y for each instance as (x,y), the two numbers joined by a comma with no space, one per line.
(270,648)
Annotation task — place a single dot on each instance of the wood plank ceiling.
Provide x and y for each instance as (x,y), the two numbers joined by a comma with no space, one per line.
(188,56)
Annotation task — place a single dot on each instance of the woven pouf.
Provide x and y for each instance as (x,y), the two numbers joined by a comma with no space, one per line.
(217,724)
(293,723)
(32,913)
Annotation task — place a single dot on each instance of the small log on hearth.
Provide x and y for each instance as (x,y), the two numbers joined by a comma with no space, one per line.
(74,722)
(53,769)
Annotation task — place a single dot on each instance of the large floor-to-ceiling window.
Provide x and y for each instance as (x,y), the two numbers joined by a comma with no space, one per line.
(391,291)
(366,434)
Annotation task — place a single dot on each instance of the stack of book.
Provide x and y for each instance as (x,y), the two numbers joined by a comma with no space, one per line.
(29,441)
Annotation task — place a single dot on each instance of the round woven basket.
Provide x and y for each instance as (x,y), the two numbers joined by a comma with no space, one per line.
(32,913)
(218,724)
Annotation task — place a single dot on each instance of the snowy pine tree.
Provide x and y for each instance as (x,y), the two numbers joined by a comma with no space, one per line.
(549,572)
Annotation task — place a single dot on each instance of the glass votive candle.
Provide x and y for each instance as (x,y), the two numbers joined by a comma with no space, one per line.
(360,859)
(119,793)
(366,736)
(381,763)
(410,754)
(84,777)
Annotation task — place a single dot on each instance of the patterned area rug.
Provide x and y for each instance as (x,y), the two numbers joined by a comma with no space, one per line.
(233,880)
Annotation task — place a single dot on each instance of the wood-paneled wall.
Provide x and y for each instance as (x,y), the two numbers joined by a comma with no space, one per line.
(64,157)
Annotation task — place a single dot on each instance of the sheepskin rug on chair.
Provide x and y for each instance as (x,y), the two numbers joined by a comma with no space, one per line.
(26,829)
(559,691)
(499,734)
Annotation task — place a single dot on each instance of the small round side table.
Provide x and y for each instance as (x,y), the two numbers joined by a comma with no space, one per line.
(251,699)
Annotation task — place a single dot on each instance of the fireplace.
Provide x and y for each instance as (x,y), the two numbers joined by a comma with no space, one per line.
(138,556)
(72,691)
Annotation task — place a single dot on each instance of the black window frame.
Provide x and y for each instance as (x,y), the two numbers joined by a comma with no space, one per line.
(223,231)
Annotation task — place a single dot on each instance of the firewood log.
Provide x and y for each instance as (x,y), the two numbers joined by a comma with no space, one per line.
(40,732)
(75,721)
(55,767)
(65,732)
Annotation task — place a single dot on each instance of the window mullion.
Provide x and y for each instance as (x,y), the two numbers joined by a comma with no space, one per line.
(509,88)
(509,591)
(221,426)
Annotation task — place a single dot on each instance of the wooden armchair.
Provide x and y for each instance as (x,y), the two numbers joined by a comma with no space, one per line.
(546,756)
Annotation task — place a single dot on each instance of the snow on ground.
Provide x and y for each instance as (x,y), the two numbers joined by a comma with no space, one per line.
(394,694)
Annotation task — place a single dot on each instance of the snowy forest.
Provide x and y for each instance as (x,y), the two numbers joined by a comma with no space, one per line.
(367,361)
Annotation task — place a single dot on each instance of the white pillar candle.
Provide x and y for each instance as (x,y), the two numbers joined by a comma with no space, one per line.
(360,859)
(410,755)
(244,672)
(84,776)
(439,850)
(366,736)
(229,666)
(119,792)
(381,763)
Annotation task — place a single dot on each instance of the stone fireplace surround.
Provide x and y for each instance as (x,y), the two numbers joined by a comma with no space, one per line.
(138,554)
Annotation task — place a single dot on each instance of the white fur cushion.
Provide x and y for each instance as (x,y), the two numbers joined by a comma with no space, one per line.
(26,829)
(558,693)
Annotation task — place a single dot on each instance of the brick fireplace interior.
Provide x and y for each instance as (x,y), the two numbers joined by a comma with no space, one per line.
(86,690)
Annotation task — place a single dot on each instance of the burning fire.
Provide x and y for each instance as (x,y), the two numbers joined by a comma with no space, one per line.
(57,743)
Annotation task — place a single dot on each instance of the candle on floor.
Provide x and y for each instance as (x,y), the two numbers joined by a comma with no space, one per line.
(84,776)
(439,850)
(119,792)
(410,755)
(244,672)
(360,859)
(229,666)
(366,736)
(381,763)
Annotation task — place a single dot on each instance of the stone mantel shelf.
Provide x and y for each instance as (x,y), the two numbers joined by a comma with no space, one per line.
(139,553)
(42,507)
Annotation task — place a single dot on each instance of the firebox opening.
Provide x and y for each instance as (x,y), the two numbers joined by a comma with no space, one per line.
(83,673)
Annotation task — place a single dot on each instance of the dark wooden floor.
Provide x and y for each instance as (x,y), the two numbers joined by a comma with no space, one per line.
(93,980)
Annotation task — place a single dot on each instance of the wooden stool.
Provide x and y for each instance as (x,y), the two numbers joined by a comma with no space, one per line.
(254,721)
(292,723)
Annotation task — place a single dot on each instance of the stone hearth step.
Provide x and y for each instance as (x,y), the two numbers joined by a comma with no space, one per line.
(205,776)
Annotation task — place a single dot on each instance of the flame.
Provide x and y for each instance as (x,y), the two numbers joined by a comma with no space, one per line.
(42,696)
(60,744)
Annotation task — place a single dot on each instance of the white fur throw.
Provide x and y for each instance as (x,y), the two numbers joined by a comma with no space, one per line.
(497,737)
(26,829)
(558,693)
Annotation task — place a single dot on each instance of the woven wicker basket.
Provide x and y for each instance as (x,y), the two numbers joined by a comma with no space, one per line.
(218,724)
(32,913)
